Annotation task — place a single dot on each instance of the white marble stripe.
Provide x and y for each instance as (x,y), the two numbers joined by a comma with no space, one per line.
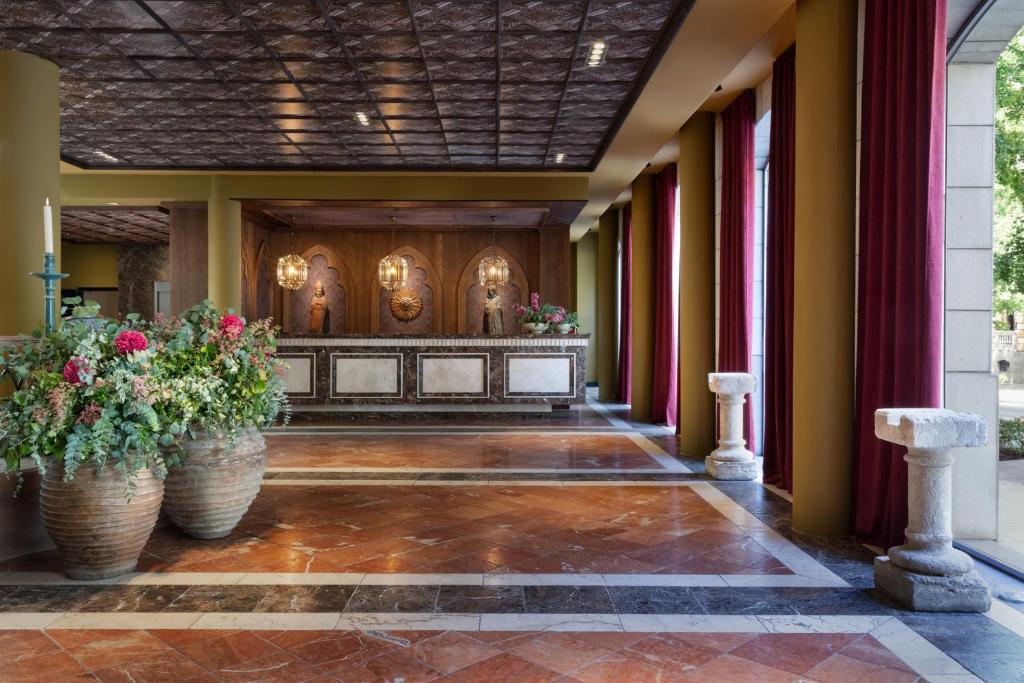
(414,579)
(782,549)
(27,621)
(471,482)
(607,414)
(130,620)
(265,621)
(919,654)
(383,621)
(658,453)
(691,623)
(813,623)
(1007,617)
(550,622)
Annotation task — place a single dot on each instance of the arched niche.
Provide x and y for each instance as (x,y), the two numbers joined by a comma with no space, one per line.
(326,267)
(264,279)
(426,281)
(471,295)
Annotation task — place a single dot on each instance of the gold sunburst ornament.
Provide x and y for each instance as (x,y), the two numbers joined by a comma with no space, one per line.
(406,304)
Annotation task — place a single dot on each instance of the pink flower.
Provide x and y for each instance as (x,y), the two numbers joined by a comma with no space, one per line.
(232,326)
(74,369)
(534,300)
(141,389)
(90,415)
(129,341)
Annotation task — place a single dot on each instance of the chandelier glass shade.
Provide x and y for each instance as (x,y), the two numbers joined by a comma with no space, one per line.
(292,271)
(393,272)
(493,271)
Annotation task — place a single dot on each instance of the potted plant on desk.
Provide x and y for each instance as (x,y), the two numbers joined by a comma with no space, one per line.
(238,390)
(92,410)
(535,318)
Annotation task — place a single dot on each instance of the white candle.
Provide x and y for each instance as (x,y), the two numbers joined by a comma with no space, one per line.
(48,226)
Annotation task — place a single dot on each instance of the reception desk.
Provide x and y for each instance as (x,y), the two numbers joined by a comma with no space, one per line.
(440,371)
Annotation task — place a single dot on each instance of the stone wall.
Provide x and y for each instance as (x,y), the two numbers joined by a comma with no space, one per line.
(139,266)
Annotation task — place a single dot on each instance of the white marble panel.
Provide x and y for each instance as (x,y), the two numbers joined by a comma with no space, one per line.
(298,373)
(357,375)
(453,374)
(528,374)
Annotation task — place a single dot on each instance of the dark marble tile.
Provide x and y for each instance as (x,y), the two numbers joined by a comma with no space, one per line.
(858,575)
(305,599)
(834,601)
(133,599)
(393,599)
(965,634)
(743,601)
(481,599)
(993,667)
(45,598)
(655,600)
(218,599)
(567,600)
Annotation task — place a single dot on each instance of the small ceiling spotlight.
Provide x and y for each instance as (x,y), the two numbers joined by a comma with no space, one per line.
(598,52)
(560,157)
(362,119)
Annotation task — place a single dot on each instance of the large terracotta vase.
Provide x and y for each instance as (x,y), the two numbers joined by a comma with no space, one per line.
(99,531)
(216,483)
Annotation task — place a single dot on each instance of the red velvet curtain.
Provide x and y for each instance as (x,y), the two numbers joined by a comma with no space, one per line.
(899,314)
(778,280)
(625,389)
(665,394)
(736,314)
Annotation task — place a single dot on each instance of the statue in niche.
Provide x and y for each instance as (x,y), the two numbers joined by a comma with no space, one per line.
(493,323)
(319,311)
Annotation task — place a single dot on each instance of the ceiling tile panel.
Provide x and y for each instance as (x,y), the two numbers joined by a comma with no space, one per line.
(217,83)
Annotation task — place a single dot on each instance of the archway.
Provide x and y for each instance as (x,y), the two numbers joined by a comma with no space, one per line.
(471,295)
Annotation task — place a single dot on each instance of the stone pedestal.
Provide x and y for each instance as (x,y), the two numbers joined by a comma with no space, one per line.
(731,460)
(927,574)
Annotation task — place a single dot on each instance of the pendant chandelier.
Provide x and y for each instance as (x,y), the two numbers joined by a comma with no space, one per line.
(292,270)
(493,269)
(393,270)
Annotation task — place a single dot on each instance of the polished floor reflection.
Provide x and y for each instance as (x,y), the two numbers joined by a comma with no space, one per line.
(583,549)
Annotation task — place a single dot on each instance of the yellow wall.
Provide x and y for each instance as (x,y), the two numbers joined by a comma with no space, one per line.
(586,296)
(823,266)
(89,265)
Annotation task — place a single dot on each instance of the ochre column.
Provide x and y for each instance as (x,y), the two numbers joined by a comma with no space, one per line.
(696,284)
(224,234)
(585,297)
(823,303)
(29,173)
(607,304)
(642,301)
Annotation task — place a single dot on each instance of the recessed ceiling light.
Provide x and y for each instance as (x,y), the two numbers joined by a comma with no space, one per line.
(105,156)
(598,52)
(362,118)
(560,157)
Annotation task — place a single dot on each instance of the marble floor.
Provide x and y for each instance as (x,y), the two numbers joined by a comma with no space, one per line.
(501,549)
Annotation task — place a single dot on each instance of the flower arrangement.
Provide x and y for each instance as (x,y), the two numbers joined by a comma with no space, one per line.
(86,395)
(229,365)
(536,313)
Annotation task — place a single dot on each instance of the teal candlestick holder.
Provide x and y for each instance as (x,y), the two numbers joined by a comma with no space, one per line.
(50,276)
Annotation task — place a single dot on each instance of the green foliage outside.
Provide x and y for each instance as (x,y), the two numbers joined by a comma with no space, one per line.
(1009,191)
(1011,435)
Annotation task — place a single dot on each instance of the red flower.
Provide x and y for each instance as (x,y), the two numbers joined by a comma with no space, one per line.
(129,341)
(231,326)
(72,369)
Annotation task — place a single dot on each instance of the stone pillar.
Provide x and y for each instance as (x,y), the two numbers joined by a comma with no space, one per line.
(29,173)
(642,300)
(696,283)
(224,246)
(731,460)
(927,574)
(608,305)
(824,260)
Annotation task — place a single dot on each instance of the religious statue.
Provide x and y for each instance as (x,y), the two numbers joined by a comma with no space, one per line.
(319,311)
(493,323)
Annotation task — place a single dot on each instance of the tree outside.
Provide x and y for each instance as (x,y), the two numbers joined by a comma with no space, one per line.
(1008,294)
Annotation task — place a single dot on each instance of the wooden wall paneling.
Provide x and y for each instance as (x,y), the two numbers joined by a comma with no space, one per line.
(555,273)
(189,266)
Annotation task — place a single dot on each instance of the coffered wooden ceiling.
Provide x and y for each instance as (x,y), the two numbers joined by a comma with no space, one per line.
(115,225)
(443,84)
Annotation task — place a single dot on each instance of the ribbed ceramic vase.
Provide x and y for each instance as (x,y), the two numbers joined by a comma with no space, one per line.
(216,483)
(99,532)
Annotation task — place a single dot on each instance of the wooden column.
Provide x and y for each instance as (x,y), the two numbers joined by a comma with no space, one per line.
(642,300)
(824,265)
(607,335)
(189,257)
(696,284)
(555,275)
